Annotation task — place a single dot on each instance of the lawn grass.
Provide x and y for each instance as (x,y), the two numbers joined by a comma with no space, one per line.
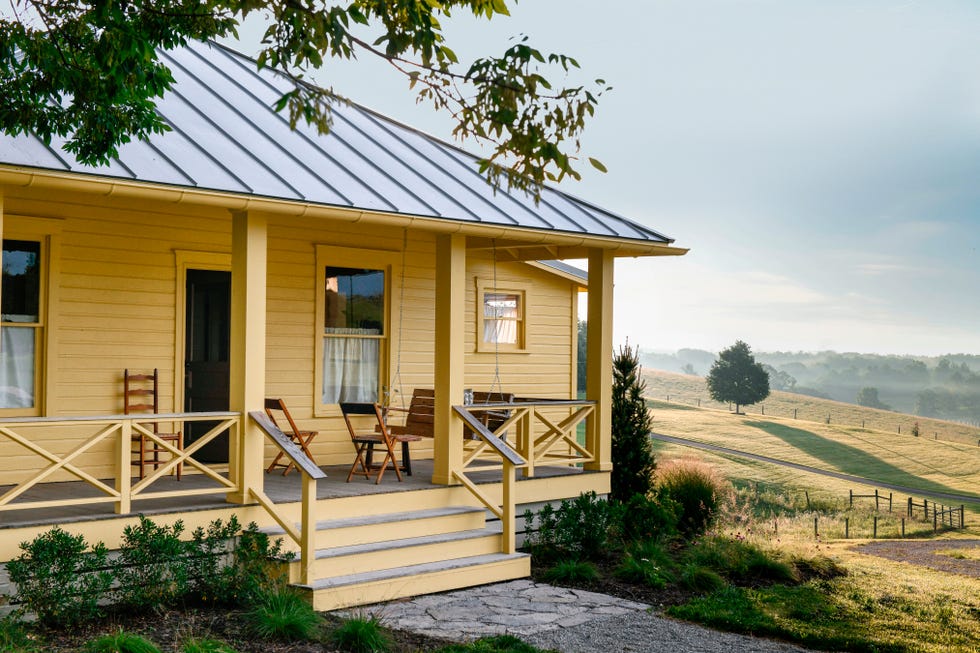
(687,390)
(926,465)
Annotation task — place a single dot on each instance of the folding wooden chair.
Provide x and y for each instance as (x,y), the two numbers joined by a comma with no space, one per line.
(366,437)
(301,438)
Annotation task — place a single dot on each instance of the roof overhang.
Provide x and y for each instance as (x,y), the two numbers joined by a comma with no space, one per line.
(509,242)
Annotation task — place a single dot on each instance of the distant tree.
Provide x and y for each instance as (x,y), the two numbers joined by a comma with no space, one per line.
(689,369)
(582,344)
(778,379)
(869,397)
(632,455)
(737,378)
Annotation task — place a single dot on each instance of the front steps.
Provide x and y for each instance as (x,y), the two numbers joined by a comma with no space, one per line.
(374,558)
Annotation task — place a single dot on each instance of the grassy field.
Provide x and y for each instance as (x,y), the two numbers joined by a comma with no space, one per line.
(691,390)
(879,605)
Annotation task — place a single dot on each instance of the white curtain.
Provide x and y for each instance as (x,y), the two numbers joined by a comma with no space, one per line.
(16,367)
(350,367)
(501,331)
(500,316)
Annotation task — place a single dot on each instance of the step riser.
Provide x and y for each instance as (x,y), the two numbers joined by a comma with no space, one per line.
(399,557)
(441,581)
(370,533)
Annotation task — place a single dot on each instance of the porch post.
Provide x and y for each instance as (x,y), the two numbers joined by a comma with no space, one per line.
(247,365)
(449,335)
(598,385)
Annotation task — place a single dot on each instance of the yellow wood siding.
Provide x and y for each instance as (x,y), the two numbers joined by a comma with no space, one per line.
(116,308)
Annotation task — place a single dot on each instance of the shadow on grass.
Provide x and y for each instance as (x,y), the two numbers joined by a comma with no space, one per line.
(667,405)
(850,460)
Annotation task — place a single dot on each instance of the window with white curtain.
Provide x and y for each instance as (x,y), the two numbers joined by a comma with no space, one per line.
(353,335)
(20,323)
(501,319)
(354,301)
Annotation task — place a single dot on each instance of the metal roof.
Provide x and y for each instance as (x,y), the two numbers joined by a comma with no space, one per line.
(226,137)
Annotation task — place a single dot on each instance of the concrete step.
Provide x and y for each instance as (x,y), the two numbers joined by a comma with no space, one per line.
(416,579)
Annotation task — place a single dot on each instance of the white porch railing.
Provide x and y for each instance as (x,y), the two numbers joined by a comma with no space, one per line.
(119,431)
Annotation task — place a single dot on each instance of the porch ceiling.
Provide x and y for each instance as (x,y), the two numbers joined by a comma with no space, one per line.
(227,143)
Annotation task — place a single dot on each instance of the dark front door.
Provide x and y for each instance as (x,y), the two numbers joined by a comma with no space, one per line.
(206,377)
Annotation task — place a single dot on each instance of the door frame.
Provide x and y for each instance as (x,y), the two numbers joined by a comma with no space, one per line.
(185,260)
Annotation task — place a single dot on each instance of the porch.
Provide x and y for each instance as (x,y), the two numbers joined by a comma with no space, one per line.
(356,542)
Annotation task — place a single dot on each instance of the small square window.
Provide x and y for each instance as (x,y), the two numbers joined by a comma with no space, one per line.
(501,320)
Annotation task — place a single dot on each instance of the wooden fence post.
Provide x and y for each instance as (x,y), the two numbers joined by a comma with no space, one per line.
(910,507)
(903,526)
(961,516)
(876,499)
(851,494)
(847,528)
(889,502)
(815,532)
(794,417)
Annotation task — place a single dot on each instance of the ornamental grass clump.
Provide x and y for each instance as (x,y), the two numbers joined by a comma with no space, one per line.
(282,614)
(361,635)
(699,490)
(121,642)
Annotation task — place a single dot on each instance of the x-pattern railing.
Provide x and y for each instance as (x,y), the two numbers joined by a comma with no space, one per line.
(546,430)
(121,429)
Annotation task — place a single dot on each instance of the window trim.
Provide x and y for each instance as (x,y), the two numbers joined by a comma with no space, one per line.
(485,287)
(353,257)
(47,232)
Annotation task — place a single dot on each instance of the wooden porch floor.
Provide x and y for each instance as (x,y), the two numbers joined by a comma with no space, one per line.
(281,489)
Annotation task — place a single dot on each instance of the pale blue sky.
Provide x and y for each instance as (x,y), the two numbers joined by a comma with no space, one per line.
(821,159)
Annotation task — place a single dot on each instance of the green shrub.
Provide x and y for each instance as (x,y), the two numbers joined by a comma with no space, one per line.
(700,579)
(231,566)
(59,579)
(121,642)
(697,488)
(152,566)
(583,527)
(649,517)
(571,572)
(361,635)
(282,614)
(206,646)
(14,638)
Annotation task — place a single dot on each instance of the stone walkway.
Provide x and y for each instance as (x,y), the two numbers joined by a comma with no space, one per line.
(566,620)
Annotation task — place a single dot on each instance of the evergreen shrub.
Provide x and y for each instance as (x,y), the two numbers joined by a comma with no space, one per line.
(632,454)
(59,579)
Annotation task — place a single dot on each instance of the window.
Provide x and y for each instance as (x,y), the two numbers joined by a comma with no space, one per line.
(20,324)
(354,287)
(501,319)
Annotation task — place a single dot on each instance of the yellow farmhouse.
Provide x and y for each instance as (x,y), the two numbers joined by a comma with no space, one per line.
(241,261)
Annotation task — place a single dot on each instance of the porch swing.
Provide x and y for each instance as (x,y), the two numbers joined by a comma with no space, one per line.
(420,414)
